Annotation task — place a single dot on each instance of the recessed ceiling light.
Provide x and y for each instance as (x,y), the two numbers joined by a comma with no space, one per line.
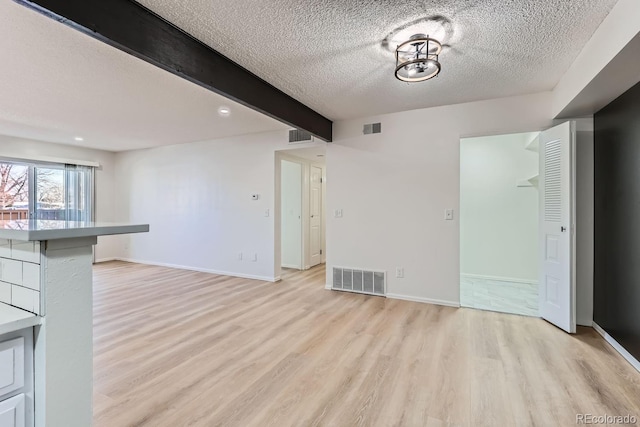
(320,155)
(224,111)
(79,138)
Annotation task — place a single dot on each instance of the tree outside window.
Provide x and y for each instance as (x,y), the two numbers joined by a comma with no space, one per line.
(14,188)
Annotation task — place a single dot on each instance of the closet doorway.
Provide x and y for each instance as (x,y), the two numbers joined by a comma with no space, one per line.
(499,221)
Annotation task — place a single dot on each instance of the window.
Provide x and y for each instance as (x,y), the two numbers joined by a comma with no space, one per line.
(45,191)
(14,188)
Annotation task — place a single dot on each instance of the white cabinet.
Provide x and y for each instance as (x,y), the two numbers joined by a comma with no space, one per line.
(11,365)
(16,379)
(12,412)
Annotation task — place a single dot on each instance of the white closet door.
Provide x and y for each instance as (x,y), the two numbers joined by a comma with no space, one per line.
(557,226)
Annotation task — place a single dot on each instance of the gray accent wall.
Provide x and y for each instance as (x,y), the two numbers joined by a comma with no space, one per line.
(617,220)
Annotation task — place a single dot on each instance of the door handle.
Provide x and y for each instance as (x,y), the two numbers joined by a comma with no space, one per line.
(563,229)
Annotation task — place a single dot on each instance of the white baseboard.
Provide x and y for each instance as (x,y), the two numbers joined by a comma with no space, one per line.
(106,260)
(295,267)
(499,279)
(620,349)
(424,300)
(202,270)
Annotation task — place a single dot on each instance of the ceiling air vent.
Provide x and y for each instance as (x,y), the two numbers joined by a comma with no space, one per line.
(372,128)
(299,136)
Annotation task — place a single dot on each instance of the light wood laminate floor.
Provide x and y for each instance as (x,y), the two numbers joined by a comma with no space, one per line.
(180,348)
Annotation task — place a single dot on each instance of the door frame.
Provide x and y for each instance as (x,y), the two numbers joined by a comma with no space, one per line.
(323,227)
(305,211)
(278,208)
(573,172)
(307,230)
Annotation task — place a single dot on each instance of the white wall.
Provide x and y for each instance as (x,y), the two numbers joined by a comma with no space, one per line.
(498,219)
(393,189)
(197,199)
(291,214)
(614,33)
(25,149)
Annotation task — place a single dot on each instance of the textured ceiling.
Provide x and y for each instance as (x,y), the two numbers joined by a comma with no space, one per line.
(56,83)
(329,53)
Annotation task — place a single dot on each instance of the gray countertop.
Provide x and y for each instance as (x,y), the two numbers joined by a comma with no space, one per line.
(14,319)
(27,230)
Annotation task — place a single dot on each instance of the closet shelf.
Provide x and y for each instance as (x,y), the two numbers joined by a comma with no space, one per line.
(530,182)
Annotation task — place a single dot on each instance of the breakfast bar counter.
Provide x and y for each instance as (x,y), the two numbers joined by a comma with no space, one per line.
(46,320)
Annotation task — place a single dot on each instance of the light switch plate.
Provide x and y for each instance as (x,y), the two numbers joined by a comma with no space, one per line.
(448,214)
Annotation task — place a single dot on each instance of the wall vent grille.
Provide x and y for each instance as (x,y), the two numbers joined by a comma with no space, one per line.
(372,128)
(299,136)
(360,281)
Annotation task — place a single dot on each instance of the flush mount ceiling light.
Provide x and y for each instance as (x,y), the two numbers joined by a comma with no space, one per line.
(224,111)
(417,59)
(79,138)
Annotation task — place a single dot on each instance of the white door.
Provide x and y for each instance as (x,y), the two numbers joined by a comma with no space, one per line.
(315,225)
(557,288)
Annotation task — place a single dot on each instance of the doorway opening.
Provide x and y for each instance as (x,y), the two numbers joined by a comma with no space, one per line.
(499,223)
(302,186)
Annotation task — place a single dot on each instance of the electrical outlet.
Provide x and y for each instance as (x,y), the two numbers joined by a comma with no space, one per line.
(448,214)
(400,272)
(239,256)
(337,213)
